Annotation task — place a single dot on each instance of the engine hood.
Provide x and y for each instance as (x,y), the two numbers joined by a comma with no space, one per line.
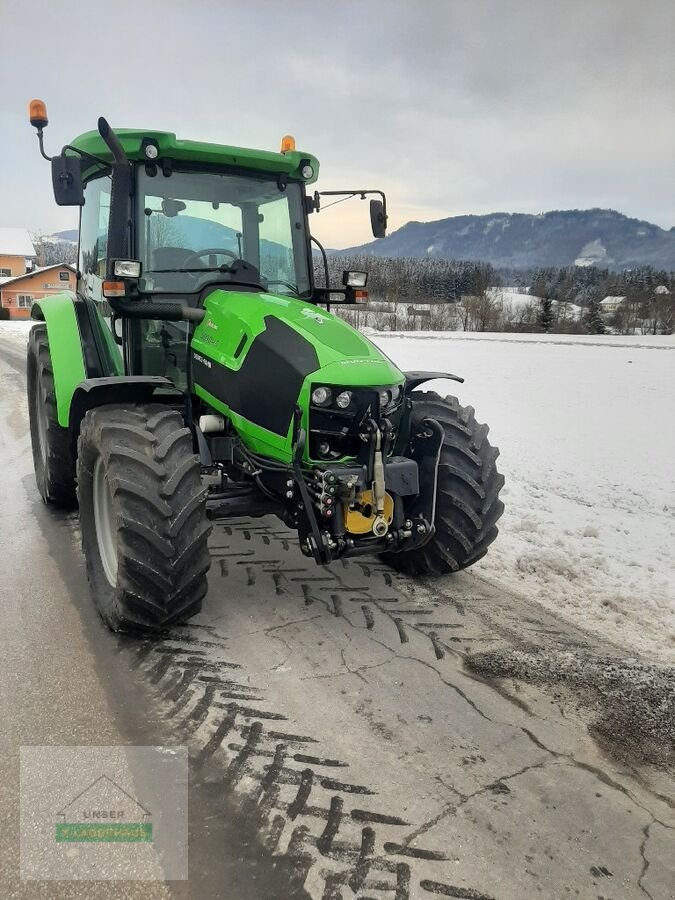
(347,355)
(256,356)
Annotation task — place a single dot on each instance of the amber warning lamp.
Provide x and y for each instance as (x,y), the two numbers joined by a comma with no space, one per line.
(287,143)
(37,112)
(114,289)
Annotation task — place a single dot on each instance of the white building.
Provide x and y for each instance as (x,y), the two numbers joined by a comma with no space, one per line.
(17,253)
(611,304)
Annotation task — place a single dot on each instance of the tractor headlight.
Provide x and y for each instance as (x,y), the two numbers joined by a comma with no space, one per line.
(322,396)
(338,413)
(344,399)
(126,268)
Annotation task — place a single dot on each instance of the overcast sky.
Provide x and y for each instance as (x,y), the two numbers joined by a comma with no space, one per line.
(451,106)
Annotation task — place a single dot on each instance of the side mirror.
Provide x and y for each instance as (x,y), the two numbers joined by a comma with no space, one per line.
(67,181)
(378,218)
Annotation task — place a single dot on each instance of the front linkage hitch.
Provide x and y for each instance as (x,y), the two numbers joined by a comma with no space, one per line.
(329,490)
(315,501)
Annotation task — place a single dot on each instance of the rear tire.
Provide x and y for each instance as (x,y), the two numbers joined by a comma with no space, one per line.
(53,457)
(467,499)
(142,516)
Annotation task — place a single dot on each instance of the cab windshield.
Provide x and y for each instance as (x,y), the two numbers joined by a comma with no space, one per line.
(193,225)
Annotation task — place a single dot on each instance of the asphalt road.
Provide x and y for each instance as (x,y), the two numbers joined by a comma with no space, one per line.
(352,734)
(65,680)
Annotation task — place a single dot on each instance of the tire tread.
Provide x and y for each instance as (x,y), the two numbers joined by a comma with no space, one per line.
(56,479)
(467,501)
(160,502)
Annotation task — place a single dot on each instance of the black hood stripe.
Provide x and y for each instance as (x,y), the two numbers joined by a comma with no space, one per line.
(265,389)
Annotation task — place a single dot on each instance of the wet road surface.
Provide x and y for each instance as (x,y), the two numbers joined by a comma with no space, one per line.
(352,734)
(65,680)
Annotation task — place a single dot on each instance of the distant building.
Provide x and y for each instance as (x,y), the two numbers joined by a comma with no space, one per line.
(661,289)
(18,293)
(611,304)
(17,253)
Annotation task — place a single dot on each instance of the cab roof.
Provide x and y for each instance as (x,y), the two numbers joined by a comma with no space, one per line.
(171,147)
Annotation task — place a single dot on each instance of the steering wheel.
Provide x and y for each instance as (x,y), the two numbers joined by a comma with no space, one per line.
(215,251)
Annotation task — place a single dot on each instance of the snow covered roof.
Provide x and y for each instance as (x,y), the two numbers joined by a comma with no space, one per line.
(609,300)
(661,289)
(37,271)
(16,242)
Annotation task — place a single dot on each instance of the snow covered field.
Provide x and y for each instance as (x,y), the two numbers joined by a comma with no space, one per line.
(586,428)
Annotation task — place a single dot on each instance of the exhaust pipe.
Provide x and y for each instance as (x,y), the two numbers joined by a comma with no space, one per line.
(117,239)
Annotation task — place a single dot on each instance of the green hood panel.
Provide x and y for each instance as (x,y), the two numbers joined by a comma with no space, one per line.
(231,315)
(257,355)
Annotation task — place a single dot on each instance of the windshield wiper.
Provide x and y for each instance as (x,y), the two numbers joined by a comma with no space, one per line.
(293,287)
(202,269)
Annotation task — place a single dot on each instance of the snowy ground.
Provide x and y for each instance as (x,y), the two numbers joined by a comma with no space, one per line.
(17,331)
(587,436)
(586,428)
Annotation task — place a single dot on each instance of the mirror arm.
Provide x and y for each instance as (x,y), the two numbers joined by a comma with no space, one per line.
(85,155)
(324,258)
(40,138)
(362,194)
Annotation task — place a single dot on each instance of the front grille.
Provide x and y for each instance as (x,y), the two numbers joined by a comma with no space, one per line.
(340,429)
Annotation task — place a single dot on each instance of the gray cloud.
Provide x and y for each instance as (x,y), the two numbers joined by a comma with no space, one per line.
(452,107)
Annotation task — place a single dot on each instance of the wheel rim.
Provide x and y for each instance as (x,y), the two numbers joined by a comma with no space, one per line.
(104,521)
(40,421)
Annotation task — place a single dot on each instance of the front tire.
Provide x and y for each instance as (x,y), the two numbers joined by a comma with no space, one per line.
(142,516)
(467,499)
(53,458)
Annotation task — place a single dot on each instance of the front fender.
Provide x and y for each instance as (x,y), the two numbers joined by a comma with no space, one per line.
(65,348)
(415,379)
(94,392)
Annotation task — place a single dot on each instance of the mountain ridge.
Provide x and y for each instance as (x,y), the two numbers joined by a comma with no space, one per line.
(601,237)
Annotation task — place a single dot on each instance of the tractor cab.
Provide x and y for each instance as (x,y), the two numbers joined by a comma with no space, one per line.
(194,210)
(166,221)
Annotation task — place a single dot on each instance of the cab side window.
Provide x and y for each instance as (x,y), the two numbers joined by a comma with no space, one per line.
(94,236)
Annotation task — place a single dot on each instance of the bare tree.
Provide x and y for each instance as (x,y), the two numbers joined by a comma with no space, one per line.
(51,252)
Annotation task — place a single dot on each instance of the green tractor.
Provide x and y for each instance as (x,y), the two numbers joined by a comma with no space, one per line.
(198,374)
